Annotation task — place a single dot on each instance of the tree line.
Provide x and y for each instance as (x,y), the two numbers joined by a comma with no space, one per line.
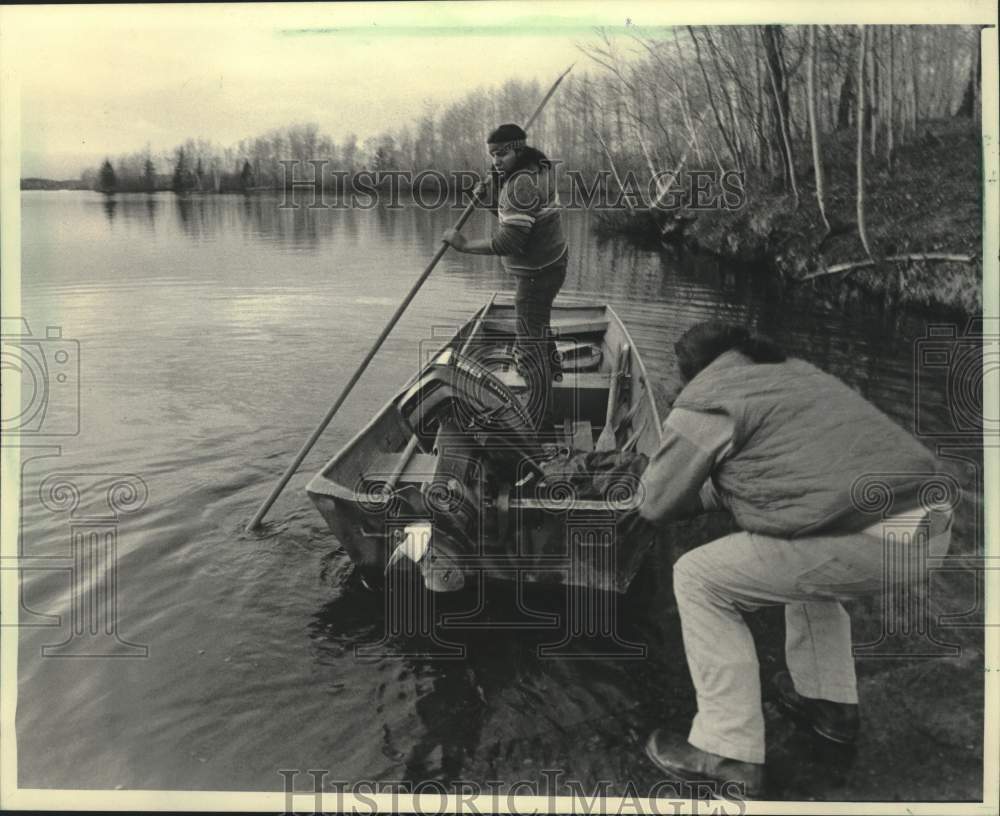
(757,99)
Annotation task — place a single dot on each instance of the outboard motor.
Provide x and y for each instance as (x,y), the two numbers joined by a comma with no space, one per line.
(452,494)
(432,552)
(479,405)
(476,422)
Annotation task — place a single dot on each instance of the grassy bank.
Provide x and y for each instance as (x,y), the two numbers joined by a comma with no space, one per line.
(930,201)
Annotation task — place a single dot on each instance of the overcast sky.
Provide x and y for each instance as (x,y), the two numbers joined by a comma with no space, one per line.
(106,80)
(110,80)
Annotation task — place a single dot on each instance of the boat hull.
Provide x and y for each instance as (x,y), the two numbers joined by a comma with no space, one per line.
(383,482)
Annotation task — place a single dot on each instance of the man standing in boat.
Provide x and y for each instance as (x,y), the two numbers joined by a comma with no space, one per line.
(533,246)
(781,445)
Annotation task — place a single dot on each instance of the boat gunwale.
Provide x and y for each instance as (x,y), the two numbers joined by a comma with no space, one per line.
(644,372)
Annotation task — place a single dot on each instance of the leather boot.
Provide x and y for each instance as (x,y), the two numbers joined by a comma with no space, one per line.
(837,722)
(681,761)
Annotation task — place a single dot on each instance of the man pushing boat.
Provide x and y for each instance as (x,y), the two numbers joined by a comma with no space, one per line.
(532,244)
(783,447)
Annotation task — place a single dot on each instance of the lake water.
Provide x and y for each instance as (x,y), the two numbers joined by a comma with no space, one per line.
(213,335)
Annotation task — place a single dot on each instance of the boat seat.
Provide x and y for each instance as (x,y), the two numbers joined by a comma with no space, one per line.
(420,468)
(588,380)
(584,379)
(562,328)
(568,326)
(578,394)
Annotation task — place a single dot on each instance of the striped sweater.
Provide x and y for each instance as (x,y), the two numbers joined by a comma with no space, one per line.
(531,234)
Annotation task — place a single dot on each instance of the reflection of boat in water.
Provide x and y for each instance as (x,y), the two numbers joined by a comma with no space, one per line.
(452,473)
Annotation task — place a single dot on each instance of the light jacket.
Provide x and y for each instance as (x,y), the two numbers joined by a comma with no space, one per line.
(801,439)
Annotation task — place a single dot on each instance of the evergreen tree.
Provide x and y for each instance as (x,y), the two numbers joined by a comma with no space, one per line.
(107,181)
(246,177)
(184,179)
(349,153)
(149,176)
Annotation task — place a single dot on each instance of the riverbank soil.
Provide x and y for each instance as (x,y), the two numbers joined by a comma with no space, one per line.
(928,201)
(921,696)
(921,716)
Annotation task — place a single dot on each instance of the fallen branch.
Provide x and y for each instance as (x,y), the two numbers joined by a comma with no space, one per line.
(920,256)
(677,170)
(629,205)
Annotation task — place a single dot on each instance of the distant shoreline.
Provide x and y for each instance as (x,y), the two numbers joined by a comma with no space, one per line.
(52,184)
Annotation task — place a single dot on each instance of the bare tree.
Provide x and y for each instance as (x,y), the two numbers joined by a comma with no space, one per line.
(862,51)
(969,105)
(813,135)
(723,130)
(776,74)
(626,193)
(873,111)
(890,100)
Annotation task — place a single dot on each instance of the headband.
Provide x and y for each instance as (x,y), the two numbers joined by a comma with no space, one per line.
(513,144)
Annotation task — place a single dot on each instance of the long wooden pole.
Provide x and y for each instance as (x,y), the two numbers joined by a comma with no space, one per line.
(304,450)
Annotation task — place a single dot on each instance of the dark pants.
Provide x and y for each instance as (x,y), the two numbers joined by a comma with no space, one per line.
(534,347)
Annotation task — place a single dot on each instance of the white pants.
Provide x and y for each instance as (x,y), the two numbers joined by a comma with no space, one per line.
(712,583)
